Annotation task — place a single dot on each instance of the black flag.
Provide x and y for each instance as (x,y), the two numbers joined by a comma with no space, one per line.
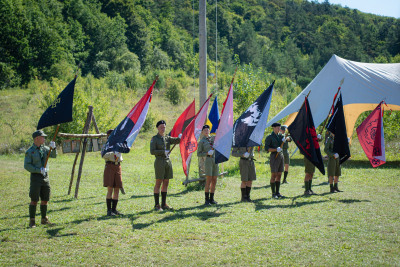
(337,126)
(60,110)
(249,128)
(303,133)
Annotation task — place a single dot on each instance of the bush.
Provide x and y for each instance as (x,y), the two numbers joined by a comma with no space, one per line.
(8,76)
(115,81)
(100,68)
(149,123)
(174,92)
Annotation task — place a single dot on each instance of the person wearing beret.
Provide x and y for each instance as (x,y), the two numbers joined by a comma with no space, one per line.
(112,179)
(334,170)
(160,147)
(205,149)
(276,161)
(35,158)
(247,170)
(285,150)
(309,170)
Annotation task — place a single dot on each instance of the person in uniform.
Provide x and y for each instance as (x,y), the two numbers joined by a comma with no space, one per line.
(35,158)
(309,169)
(272,144)
(160,148)
(247,170)
(205,149)
(112,179)
(334,170)
(285,150)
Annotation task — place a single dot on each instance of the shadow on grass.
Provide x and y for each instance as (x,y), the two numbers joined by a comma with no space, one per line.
(352,164)
(37,213)
(54,232)
(350,201)
(259,206)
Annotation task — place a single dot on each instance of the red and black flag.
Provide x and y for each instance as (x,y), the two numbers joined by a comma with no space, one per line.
(60,110)
(302,131)
(337,126)
(183,121)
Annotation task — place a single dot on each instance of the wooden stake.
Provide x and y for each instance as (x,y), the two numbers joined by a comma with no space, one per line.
(54,138)
(87,125)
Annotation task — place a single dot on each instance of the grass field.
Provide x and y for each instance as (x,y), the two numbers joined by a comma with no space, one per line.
(358,227)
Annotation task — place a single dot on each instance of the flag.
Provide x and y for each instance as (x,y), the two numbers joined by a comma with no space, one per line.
(191,134)
(183,121)
(337,126)
(213,117)
(370,135)
(122,138)
(60,110)
(302,131)
(222,142)
(249,128)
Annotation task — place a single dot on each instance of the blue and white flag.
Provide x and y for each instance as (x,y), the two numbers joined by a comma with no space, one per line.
(249,128)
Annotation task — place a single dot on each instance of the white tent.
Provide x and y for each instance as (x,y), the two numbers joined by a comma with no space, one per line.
(365,86)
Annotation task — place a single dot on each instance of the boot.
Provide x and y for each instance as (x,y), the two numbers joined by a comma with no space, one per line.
(45,220)
(32,223)
(336,189)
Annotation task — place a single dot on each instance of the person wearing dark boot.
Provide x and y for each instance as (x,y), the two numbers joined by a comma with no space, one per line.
(309,169)
(334,170)
(205,149)
(34,161)
(276,161)
(160,147)
(247,170)
(112,179)
(285,149)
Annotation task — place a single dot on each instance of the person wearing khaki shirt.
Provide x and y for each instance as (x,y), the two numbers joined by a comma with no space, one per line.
(334,170)
(205,149)
(112,179)
(160,147)
(247,170)
(34,161)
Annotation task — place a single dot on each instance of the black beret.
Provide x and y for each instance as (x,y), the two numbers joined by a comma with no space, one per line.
(159,123)
(38,133)
(275,124)
(110,131)
(205,127)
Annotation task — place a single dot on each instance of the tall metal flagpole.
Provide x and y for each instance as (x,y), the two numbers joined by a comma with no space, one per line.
(202,52)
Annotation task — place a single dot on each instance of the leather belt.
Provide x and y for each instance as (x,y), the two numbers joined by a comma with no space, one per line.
(210,156)
(247,158)
(112,162)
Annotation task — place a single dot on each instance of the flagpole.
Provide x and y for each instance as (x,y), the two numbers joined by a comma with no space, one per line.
(334,98)
(58,126)
(300,108)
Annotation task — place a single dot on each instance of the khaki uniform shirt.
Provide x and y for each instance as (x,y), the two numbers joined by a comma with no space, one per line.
(329,147)
(273,141)
(239,151)
(205,145)
(159,144)
(35,157)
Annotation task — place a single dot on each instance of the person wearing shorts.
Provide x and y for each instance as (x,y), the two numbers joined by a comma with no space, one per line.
(309,169)
(112,179)
(276,161)
(247,170)
(160,148)
(285,150)
(205,149)
(334,170)
(34,161)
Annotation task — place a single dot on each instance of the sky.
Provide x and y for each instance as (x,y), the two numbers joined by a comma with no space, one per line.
(389,8)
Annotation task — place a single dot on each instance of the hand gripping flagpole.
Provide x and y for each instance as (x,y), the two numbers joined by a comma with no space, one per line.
(331,109)
(58,126)
(288,133)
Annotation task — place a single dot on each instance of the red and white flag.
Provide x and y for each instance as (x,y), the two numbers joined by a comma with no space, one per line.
(370,135)
(188,143)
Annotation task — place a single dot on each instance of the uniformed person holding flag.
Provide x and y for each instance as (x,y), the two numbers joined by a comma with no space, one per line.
(35,158)
(334,170)
(247,170)
(160,148)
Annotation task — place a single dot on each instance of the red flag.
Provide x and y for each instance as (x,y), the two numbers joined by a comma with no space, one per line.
(183,121)
(188,143)
(370,135)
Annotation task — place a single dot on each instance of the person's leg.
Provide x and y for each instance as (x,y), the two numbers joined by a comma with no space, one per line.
(243,189)
(157,193)
(109,200)
(212,189)
(272,183)
(285,173)
(335,186)
(278,183)
(115,201)
(306,184)
(248,190)
(164,190)
(310,183)
(332,190)
(207,189)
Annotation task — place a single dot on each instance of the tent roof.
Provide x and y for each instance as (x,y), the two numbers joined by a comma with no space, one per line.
(364,83)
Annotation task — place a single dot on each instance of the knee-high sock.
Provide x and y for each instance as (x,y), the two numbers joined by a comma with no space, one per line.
(43,210)
(285,175)
(309,184)
(157,198)
(207,195)
(114,204)
(277,185)
(248,189)
(211,196)
(32,211)
(163,198)
(108,201)
(273,187)
(306,185)
(243,191)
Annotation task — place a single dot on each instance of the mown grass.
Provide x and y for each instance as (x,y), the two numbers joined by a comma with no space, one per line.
(358,227)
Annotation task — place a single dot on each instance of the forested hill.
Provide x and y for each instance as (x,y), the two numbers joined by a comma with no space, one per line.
(44,38)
